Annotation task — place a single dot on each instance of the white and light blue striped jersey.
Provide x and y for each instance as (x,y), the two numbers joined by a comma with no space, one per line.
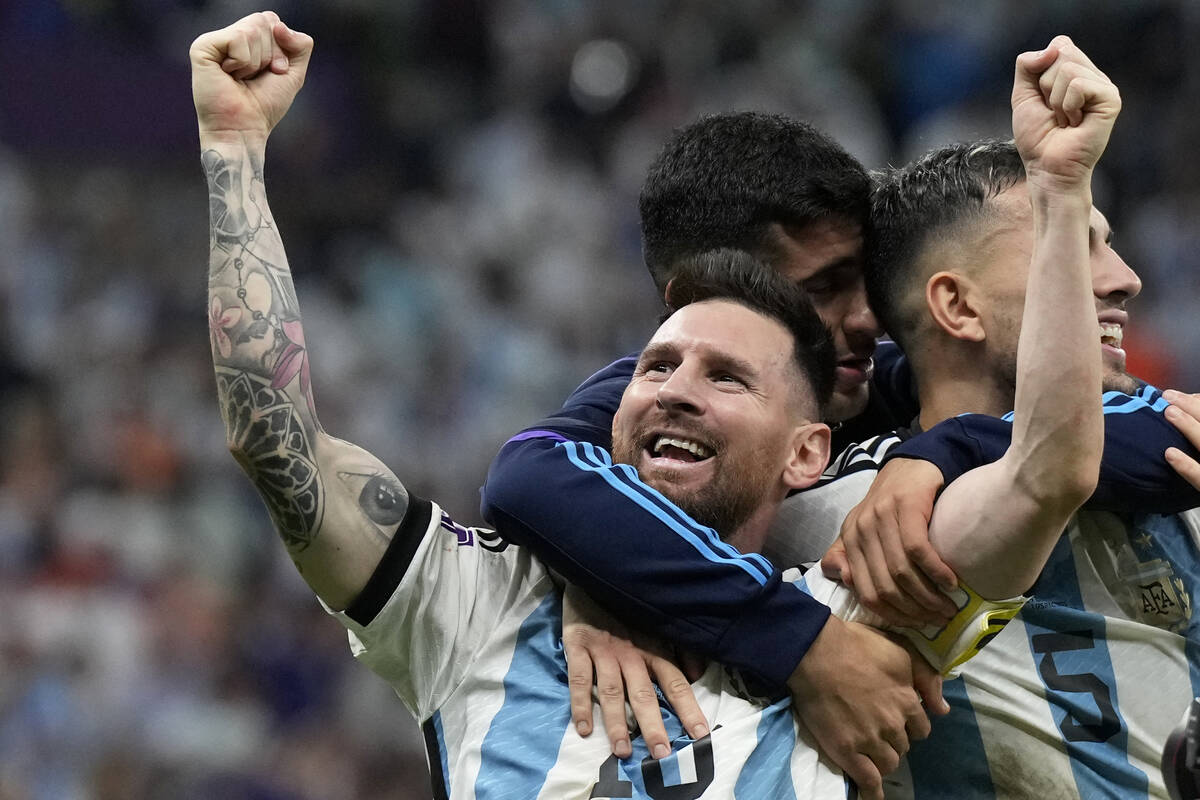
(1077,695)
(470,639)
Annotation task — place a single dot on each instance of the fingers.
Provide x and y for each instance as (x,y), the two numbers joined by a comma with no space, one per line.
(908,552)
(928,683)
(1187,467)
(1029,68)
(258,42)
(579,681)
(1070,83)
(678,691)
(293,45)
(610,689)
(644,702)
(835,565)
(1184,414)
(874,582)
(862,770)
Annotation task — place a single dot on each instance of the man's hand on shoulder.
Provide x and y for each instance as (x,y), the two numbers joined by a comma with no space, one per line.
(855,692)
(1184,414)
(883,551)
(245,76)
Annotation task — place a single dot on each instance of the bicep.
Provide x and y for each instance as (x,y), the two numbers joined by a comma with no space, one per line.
(336,507)
(990,529)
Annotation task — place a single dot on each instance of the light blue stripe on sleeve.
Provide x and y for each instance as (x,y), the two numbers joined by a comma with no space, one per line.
(699,537)
(603,458)
(1120,403)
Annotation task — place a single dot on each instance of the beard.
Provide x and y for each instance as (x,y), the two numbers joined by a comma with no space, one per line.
(1116,380)
(737,490)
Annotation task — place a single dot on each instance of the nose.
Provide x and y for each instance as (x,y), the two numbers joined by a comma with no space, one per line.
(860,322)
(679,393)
(1112,278)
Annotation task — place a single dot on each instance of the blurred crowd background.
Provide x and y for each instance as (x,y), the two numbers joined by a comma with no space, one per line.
(457,190)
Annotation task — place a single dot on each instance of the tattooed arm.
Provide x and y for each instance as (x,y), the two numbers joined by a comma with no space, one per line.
(335,505)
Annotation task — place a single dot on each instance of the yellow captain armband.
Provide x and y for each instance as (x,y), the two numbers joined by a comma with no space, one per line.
(977,622)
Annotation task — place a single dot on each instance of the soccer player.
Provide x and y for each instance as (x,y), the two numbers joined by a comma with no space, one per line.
(1077,696)
(788,194)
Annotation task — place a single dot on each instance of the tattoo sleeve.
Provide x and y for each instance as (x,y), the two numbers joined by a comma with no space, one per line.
(264,389)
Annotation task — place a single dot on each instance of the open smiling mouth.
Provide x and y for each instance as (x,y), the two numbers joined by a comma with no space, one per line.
(1111,334)
(679,449)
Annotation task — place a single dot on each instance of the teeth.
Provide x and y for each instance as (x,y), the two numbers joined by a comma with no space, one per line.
(695,448)
(1111,333)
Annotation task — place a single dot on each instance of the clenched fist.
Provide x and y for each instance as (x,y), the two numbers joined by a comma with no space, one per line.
(245,76)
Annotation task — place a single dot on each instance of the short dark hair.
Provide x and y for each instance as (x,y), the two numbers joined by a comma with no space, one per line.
(737,276)
(723,180)
(912,205)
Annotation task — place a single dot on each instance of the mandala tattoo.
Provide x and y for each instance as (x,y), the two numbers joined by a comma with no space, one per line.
(267,434)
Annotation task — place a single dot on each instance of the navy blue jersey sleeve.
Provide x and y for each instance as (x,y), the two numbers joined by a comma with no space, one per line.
(553,489)
(650,564)
(1134,475)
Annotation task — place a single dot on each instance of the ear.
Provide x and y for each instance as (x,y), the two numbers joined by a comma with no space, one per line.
(809,455)
(953,301)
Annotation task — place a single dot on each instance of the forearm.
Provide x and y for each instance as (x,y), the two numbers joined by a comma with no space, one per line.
(1057,421)
(1133,474)
(333,504)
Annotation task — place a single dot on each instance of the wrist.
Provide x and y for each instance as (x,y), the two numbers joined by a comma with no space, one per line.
(223,140)
(1050,191)
(803,680)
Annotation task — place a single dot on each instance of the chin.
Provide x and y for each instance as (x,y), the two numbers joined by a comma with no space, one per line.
(848,404)
(1119,382)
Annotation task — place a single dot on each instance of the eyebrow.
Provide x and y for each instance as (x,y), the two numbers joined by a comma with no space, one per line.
(839,264)
(714,359)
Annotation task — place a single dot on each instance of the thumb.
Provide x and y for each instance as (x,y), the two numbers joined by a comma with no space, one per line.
(1029,66)
(292,45)
(834,564)
(928,684)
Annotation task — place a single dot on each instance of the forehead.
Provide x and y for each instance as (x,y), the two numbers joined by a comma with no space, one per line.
(725,328)
(811,248)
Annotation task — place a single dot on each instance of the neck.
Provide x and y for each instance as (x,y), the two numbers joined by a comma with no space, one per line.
(960,383)
(751,535)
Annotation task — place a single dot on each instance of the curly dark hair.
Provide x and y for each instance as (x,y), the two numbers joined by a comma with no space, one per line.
(723,180)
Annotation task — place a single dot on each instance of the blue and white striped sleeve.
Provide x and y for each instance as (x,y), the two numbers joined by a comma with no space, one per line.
(1134,475)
